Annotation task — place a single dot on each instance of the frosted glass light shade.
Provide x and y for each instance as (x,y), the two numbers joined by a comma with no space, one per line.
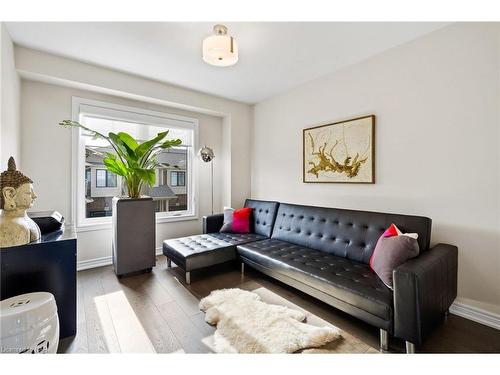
(220,50)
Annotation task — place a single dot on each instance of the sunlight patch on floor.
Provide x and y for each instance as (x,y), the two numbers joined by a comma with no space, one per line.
(128,329)
(106,324)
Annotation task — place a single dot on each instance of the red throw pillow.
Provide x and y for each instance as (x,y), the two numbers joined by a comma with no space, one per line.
(241,220)
(391,231)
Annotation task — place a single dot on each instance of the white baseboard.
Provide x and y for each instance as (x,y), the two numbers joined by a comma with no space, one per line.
(93,263)
(101,262)
(476,314)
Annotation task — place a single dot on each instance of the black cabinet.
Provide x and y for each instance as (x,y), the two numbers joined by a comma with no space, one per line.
(45,266)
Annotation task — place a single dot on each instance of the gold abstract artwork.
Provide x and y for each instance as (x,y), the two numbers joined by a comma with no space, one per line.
(340,152)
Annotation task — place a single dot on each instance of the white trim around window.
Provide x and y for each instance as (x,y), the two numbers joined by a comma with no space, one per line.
(82,106)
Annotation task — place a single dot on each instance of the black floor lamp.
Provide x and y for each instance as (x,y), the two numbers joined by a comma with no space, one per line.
(207,155)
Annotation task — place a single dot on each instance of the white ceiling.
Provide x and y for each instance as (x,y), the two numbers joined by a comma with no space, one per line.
(274,57)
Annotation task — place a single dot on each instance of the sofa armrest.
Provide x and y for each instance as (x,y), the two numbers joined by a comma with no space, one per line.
(212,223)
(424,289)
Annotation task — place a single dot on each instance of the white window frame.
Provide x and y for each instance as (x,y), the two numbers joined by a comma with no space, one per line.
(82,106)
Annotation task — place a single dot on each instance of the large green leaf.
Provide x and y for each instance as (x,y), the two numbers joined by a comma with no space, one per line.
(144,147)
(116,166)
(110,155)
(171,143)
(147,175)
(76,124)
(152,162)
(128,140)
(122,147)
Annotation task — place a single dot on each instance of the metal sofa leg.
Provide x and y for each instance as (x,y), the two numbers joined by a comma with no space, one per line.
(384,340)
(188,278)
(169,263)
(410,348)
(242,268)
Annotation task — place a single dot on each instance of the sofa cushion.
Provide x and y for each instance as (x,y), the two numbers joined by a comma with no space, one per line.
(205,250)
(345,233)
(263,216)
(352,282)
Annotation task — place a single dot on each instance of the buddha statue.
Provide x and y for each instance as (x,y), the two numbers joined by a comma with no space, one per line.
(16,196)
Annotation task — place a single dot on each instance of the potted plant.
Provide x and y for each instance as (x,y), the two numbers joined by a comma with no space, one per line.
(133,215)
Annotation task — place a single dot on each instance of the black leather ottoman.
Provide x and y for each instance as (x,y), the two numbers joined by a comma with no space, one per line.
(204,250)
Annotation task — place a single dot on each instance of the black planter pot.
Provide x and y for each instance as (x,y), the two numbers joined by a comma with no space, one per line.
(134,235)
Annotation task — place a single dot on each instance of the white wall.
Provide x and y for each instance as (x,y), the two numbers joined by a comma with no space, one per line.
(10,140)
(49,82)
(46,151)
(40,66)
(437,144)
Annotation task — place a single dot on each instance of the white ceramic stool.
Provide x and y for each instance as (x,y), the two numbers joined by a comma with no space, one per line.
(29,324)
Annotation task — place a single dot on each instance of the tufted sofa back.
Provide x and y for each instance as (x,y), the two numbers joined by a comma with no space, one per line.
(345,233)
(263,216)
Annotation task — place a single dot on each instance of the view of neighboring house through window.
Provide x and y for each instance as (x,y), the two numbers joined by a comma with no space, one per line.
(177,178)
(172,192)
(104,178)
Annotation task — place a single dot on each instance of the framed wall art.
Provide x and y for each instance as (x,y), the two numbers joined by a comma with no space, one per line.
(342,152)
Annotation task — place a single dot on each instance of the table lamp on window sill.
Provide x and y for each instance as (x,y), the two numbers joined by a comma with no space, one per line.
(206,154)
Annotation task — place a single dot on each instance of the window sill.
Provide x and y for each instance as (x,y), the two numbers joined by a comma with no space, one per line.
(161,220)
(174,218)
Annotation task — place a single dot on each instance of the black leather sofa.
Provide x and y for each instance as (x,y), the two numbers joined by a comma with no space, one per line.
(324,252)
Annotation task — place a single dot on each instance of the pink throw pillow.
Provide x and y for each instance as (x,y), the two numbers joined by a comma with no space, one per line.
(241,220)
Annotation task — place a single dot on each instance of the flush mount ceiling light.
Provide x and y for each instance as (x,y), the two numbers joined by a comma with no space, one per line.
(220,49)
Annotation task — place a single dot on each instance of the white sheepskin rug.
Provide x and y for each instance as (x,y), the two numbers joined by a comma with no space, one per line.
(246,324)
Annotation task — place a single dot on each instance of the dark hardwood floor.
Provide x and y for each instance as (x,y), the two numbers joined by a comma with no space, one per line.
(157,312)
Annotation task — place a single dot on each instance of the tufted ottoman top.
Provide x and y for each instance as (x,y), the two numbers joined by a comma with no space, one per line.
(204,250)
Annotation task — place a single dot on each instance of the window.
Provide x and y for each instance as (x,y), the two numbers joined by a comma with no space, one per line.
(177,178)
(94,187)
(104,178)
